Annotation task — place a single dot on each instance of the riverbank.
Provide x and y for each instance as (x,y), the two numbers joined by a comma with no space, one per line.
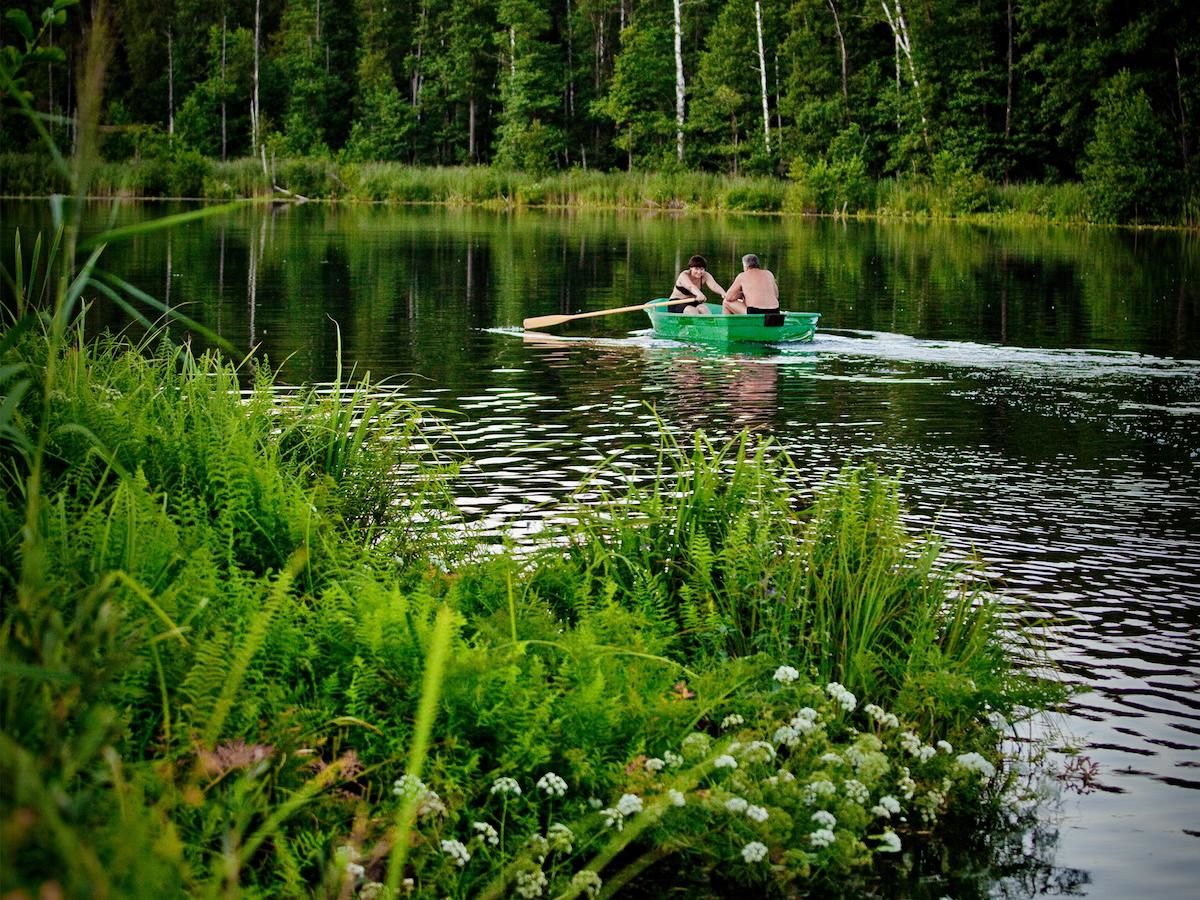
(234,664)
(819,190)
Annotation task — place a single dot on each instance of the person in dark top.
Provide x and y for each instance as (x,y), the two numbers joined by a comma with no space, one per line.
(689,287)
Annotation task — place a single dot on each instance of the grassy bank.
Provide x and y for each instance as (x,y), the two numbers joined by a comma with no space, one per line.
(815,190)
(233,665)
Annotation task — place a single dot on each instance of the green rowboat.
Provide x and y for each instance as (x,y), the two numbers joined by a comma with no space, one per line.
(720,328)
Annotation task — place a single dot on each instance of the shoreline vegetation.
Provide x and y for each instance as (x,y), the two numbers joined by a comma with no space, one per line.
(234,666)
(956,196)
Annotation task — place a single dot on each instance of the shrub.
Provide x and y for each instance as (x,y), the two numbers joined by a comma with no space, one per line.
(1128,174)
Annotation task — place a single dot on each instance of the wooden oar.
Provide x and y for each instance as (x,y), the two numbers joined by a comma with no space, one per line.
(547,321)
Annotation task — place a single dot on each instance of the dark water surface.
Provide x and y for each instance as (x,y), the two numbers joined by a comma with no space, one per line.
(1038,389)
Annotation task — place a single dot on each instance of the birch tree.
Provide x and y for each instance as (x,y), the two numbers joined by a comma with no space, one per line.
(762,72)
(903,44)
(679,84)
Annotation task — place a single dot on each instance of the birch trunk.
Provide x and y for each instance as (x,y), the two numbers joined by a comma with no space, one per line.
(904,44)
(762,72)
(471,128)
(170,82)
(223,31)
(837,24)
(679,84)
(255,124)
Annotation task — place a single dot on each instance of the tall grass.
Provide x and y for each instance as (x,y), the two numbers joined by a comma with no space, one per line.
(955,196)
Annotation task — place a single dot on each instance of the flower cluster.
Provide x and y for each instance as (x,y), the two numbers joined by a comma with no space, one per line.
(531,882)
(505,785)
(755,851)
(846,700)
(725,761)
(655,765)
(889,842)
(457,851)
(672,759)
(552,784)
(733,720)
(880,715)
(560,837)
(786,675)
(887,807)
(486,833)
(409,788)
(586,882)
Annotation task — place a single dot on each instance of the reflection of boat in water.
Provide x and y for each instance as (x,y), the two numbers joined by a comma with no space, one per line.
(715,390)
(720,328)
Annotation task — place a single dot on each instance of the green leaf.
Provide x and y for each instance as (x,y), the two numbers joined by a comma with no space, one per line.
(20,21)
(47,54)
(64,4)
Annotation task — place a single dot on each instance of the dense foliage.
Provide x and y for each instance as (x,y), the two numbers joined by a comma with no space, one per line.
(219,632)
(846,94)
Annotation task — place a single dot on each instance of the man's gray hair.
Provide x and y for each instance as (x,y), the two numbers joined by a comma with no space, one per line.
(750,261)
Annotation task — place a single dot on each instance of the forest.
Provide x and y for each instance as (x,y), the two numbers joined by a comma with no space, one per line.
(851,92)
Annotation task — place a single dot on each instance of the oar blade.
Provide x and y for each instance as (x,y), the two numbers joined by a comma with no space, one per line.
(544,322)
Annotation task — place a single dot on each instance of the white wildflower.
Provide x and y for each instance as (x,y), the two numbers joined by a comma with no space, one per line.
(506,785)
(354,871)
(880,715)
(758,751)
(945,746)
(457,851)
(910,743)
(856,791)
(786,675)
(824,818)
(373,890)
(755,851)
(973,762)
(831,759)
(676,797)
(786,736)
(672,759)
(430,804)
(408,786)
(629,804)
(736,805)
(560,837)
(531,882)
(486,833)
(757,814)
(886,807)
(586,882)
(818,789)
(594,802)
(907,786)
(889,842)
(724,761)
(841,696)
(553,785)
(732,721)
(654,764)
(822,837)
(613,819)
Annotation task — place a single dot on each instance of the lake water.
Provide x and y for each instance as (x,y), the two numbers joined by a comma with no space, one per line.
(1037,388)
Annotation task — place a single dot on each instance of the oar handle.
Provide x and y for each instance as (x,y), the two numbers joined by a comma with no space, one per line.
(548,321)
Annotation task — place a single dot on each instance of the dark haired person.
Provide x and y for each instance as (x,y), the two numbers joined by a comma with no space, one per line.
(753,291)
(689,287)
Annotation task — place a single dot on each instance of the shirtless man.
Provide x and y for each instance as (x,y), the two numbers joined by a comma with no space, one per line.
(753,291)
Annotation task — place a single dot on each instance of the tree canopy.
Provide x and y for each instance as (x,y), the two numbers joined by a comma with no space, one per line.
(1006,89)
